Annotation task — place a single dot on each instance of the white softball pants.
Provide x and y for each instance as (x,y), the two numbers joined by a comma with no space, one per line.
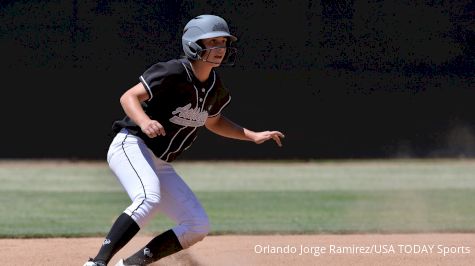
(154,186)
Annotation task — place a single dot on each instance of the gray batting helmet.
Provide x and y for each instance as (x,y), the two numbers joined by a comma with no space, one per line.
(203,27)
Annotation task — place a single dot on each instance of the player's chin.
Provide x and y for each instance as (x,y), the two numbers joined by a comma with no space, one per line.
(214,64)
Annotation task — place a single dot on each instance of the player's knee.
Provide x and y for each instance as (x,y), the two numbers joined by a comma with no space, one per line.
(151,202)
(143,208)
(195,232)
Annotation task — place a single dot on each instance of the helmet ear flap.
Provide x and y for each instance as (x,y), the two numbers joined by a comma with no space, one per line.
(195,50)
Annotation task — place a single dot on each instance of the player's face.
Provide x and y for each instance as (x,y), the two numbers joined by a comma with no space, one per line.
(217,49)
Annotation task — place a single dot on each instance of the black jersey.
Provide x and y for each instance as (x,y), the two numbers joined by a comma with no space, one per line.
(178,101)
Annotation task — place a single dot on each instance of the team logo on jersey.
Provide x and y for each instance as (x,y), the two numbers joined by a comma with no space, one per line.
(190,117)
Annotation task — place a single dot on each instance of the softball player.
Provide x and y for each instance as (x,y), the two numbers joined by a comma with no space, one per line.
(163,114)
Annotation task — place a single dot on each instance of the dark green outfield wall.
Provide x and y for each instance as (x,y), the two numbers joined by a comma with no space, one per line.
(342,79)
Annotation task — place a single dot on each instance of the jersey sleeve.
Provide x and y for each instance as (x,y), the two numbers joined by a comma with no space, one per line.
(153,78)
(222,100)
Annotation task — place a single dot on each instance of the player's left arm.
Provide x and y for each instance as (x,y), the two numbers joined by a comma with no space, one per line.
(224,127)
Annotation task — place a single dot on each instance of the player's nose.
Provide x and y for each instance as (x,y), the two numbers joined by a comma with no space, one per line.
(221,50)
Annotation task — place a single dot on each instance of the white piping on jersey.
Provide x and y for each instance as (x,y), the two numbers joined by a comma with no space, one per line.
(197,97)
(183,142)
(176,134)
(191,79)
(224,105)
(196,89)
(201,109)
(191,143)
(170,144)
(187,71)
(210,88)
(204,100)
(147,87)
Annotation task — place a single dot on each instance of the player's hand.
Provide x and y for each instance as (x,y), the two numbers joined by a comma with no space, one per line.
(260,137)
(152,129)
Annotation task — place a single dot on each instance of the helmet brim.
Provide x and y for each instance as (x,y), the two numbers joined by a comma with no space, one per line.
(217,34)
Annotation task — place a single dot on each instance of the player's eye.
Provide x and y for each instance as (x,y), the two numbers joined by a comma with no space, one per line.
(219,41)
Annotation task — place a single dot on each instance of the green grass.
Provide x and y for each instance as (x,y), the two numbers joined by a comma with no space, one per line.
(45,200)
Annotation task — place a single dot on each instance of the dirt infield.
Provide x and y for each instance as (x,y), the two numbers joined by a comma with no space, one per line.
(413,249)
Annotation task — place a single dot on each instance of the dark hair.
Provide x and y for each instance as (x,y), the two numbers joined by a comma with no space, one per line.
(200,43)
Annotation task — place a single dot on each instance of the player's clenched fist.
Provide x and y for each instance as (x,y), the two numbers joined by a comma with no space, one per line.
(152,129)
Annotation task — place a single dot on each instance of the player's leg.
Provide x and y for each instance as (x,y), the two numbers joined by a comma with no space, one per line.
(133,165)
(180,204)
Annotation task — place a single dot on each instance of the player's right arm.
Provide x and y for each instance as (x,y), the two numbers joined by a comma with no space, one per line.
(130,102)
